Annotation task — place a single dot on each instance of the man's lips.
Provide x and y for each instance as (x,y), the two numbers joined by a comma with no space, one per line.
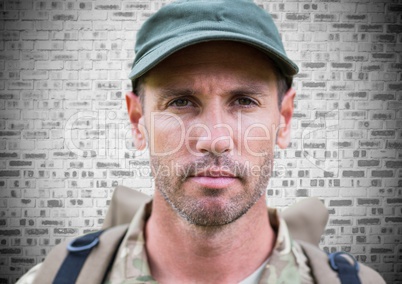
(214,178)
(215,174)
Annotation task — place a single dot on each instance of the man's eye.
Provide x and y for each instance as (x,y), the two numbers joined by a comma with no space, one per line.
(245,101)
(180,103)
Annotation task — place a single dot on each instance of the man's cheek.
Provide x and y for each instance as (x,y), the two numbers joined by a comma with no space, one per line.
(167,133)
(257,140)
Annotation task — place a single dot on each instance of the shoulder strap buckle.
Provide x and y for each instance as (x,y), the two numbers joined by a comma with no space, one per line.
(79,249)
(334,258)
(82,244)
(348,273)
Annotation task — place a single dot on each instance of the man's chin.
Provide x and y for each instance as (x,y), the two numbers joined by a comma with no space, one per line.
(211,210)
(209,220)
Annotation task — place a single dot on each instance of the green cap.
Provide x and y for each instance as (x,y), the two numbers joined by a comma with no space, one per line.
(187,22)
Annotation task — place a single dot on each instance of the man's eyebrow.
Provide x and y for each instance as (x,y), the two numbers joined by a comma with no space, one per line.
(168,93)
(249,90)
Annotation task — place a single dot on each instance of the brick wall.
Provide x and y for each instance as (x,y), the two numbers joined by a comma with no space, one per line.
(65,137)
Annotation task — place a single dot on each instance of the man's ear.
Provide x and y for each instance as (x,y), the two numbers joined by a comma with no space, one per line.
(134,109)
(287,107)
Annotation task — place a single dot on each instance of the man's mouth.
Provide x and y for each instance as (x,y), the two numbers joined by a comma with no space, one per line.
(215,173)
(214,178)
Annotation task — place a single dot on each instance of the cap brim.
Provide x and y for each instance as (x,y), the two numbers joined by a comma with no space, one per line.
(167,48)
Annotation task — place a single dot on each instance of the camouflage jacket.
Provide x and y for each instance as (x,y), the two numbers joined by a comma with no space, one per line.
(290,261)
(287,263)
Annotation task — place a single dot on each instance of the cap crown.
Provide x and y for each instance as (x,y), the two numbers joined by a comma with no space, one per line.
(187,22)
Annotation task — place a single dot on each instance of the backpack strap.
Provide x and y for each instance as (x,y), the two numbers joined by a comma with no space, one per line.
(78,251)
(318,262)
(347,272)
(93,266)
(321,267)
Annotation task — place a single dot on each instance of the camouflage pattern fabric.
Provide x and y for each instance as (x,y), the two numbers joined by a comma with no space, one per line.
(287,263)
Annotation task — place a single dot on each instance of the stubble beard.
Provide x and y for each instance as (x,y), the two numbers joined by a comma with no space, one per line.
(205,212)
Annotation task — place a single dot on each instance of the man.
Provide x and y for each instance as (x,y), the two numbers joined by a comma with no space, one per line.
(211,97)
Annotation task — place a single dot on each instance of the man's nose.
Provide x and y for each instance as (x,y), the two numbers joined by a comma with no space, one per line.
(217,136)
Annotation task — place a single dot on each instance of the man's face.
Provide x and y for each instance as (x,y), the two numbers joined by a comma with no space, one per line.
(211,114)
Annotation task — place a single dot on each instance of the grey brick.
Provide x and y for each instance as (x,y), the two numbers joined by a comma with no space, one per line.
(356,17)
(383,133)
(395,87)
(381,250)
(65,16)
(297,16)
(65,155)
(339,222)
(101,165)
(344,144)
(11,251)
(393,144)
(36,232)
(343,202)
(20,163)
(361,239)
(4,134)
(314,145)
(54,203)
(302,192)
(386,56)
(65,231)
(9,173)
(123,15)
(370,28)
(314,84)
(368,201)
(343,26)
(22,260)
(9,155)
(393,164)
(395,8)
(342,65)
(11,232)
(394,29)
(394,200)
(368,221)
(346,173)
(52,222)
(136,6)
(368,163)
(395,66)
(35,156)
(107,7)
(355,58)
(382,173)
(324,17)
(122,173)
(393,219)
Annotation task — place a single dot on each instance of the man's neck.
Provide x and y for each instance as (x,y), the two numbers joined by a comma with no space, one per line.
(180,252)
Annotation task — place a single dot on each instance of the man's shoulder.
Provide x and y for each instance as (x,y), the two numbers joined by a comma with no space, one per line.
(100,257)
(29,277)
(306,221)
(322,272)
